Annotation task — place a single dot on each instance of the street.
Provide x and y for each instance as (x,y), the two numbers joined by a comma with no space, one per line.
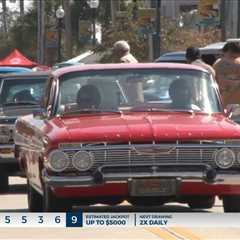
(16,201)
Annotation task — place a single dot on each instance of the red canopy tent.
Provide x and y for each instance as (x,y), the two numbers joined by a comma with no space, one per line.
(17,59)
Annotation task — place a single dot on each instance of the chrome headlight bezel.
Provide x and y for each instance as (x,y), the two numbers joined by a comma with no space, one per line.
(88,157)
(231,155)
(61,156)
(238,158)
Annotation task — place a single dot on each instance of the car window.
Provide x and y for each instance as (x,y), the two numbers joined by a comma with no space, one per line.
(22,90)
(122,89)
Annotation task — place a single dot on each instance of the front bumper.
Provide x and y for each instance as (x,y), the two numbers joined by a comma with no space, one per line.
(7,154)
(183,172)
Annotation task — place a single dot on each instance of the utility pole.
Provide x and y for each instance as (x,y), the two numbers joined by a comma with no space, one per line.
(113,11)
(68,29)
(238,19)
(4,9)
(41,31)
(156,36)
(222,20)
(21,3)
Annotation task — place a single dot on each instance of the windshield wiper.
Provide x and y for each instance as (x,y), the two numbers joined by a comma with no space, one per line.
(155,109)
(20,103)
(90,110)
(148,109)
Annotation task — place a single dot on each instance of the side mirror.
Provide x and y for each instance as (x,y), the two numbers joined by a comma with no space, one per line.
(233,111)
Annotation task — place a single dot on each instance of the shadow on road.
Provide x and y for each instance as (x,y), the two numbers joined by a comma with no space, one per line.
(13,210)
(129,208)
(16,189)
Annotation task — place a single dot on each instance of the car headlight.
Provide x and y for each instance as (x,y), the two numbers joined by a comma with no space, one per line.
(58,161)
(5,134)
(82,160)
(225,158)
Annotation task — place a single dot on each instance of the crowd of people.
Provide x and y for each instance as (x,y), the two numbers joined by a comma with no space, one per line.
(226,70)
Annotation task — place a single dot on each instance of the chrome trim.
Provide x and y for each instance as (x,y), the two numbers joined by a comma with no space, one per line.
(7,157)
(151,146)
(88,181)
(4,146)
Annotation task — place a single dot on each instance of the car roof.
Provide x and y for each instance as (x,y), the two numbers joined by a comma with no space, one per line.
(213,48)
(176,56)
(119,66)
(25,75)
(179,56)
(15,69)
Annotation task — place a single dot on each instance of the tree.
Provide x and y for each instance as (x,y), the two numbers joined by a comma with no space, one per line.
(4,8)
(21,3)
(68,29)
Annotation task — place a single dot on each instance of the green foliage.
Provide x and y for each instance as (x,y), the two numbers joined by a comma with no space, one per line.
(23,32)
(174,38)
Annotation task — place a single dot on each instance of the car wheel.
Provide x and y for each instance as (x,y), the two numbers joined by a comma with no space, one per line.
(231,203)
(53,203)
(201,202)
(146,201)
(4,185)
(35,199)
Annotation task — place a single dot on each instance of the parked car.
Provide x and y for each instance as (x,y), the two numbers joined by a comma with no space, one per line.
(209,54)
(10,70)
(20,94)
(88,57)
(102,139)
(7,70)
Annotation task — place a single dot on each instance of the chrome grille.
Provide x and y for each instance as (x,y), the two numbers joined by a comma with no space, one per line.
(128,154)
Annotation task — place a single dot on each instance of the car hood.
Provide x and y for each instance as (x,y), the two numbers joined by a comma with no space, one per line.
(144,127)
(17,111)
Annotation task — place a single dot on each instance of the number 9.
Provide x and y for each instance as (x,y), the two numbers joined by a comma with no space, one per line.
(74,219)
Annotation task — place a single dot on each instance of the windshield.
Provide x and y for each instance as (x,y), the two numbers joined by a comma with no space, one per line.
(138,90)
(22,91)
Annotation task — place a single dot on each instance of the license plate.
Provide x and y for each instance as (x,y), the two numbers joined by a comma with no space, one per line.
(153,187)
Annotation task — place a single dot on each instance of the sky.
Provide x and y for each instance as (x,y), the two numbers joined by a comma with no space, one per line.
(14,6)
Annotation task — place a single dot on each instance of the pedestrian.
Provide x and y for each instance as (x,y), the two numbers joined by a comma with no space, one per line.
(227,71)
(193,56)
(121,52)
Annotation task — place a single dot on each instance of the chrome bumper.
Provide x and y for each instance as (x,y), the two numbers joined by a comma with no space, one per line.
(207,174)
(7,153)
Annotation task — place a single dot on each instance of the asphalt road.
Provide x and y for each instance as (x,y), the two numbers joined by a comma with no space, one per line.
(16,201)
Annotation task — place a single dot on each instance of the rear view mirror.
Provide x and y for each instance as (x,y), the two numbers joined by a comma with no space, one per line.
(233,111)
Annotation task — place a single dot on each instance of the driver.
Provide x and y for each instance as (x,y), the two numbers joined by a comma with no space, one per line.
(88,97)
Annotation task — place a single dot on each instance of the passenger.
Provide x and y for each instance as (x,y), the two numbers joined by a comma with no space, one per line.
(24,96)
(181,95)
(193,56)
(228,73)
(88,97)
(121,53)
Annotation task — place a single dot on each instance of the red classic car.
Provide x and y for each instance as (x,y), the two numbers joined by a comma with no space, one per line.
(145,133)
